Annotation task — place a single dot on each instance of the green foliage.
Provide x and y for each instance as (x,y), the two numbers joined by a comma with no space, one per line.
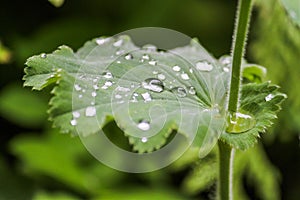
(80,75)
(22,106)
(281,57)
(293,9)
(263,102)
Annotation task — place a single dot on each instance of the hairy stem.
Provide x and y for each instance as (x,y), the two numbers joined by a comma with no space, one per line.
(226,154)
(238,46)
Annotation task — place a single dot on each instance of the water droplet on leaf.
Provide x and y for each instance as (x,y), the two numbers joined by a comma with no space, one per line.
(90,111)
(107,75)
(146,96)
(176,68)
(128,56)
(239,122)
(144,125)
(153,84)
(152,62)
(204,66)
(43,55)
(77,87)
(73,122)
(118,43)
(101,41)
(179,91)
(161,77)
(144,139)
(269,97)
(76,114)
(192,90)
(185,76)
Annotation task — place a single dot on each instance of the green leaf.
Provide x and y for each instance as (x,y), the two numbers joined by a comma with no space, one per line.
(63,159)
(94,83)
(22,106)
(41,195)
(260,174)
(273,30)
(263,102)
(293,10)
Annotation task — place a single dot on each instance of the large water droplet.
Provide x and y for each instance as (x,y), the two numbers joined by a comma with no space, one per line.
(239,122)
(269,97)
(176,68)
(179,91)
(144,125)
(107,75)
(128,56)
(90,111)
(43,55)
(146,96)
(153,84)
(204,66)
(185,76)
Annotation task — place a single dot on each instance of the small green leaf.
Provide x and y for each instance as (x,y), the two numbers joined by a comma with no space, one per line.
(262,101)
(293,10)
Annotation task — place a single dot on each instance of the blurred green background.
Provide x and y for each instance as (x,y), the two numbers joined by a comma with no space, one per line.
(37,162)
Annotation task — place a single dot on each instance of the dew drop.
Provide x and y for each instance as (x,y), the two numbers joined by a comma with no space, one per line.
(108,83)
(185,76)
(161,77)
(150,47)
(204,66)
(239,122)
(118,43)
(226,60)
(179,91)
(76,114)
(43,55)
(94,94)
(176,68)
(73,122)
(192,90)
(146,96)
(123,89)
(155,72)
(128,56)
(90,111)
(269,97)
(225,69)
(107,75)
(101,41)
(152,62)
(144,139)
(144,125)
(96,87)
(117,96)
(119,52)
(153,84)
(80,96)
(145,57)
(77,87)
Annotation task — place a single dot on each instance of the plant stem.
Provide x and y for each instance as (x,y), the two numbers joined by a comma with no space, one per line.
(226,156)
(238,46)
(226,153)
